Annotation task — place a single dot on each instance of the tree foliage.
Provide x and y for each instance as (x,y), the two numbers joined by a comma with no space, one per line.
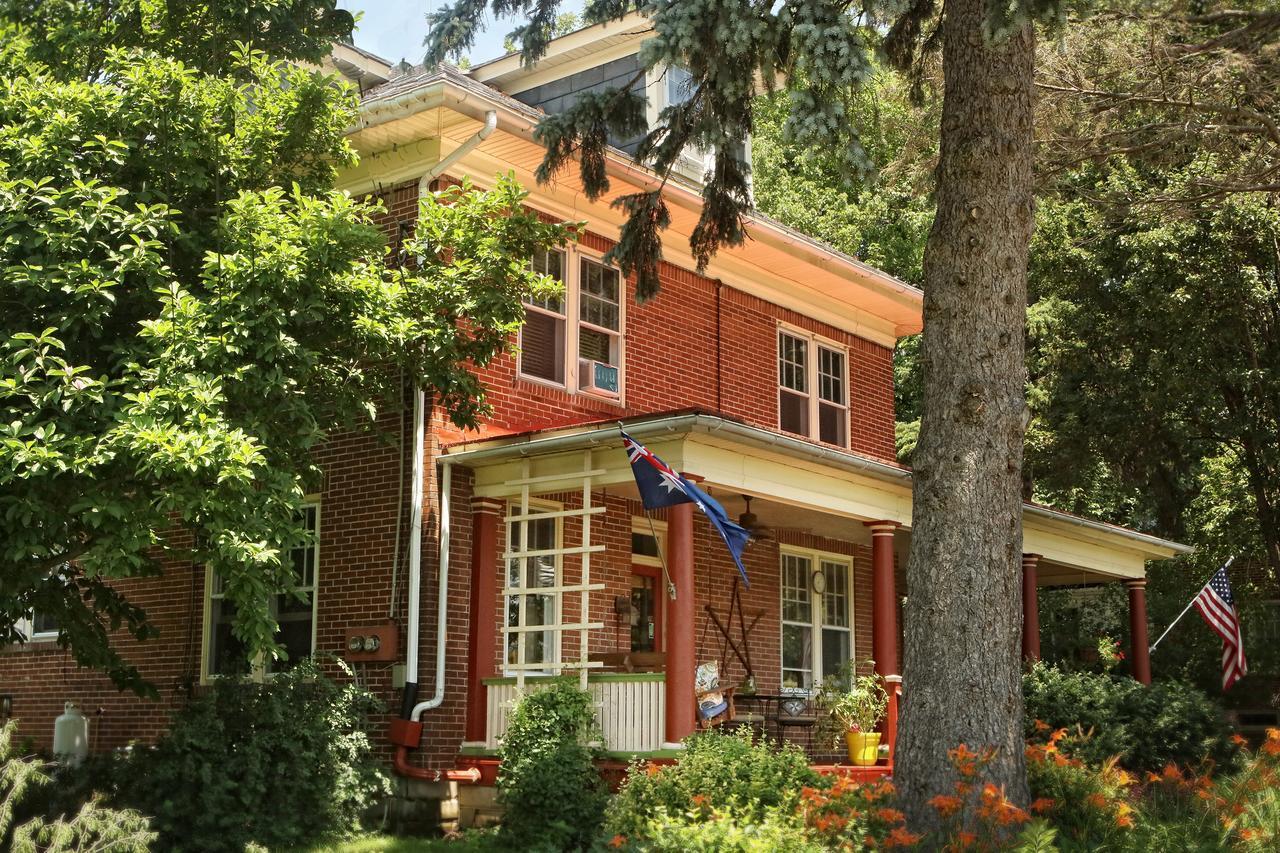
(190,308)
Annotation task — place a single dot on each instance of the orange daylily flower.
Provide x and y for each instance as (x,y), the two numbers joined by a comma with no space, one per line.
(945,805)
(1041,726)
(890,815)
(966,839)
(617,841)
(1124,821)
(1239,739)
(1272,744)
(1042,805)
(1096,800)
(900,837)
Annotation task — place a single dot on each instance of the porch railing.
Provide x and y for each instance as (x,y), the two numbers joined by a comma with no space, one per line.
(630,708)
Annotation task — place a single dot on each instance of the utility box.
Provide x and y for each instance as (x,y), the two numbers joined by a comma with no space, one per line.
(378,641)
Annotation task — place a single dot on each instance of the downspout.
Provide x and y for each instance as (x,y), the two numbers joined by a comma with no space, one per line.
(406,732)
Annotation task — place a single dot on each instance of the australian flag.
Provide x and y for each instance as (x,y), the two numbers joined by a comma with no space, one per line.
(661,487)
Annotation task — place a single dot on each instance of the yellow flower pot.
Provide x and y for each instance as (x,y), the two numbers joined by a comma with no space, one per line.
(864,747)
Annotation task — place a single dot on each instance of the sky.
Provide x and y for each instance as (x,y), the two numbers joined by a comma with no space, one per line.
(394,29)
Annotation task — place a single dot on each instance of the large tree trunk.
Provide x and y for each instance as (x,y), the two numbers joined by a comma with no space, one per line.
(961,667)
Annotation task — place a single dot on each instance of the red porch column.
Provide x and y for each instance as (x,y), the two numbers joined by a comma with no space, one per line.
(481,632)
(884,598)
(1139,655)
(1030,608)
(681,634)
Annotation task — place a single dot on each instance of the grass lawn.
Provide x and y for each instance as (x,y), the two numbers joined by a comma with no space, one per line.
(470,842)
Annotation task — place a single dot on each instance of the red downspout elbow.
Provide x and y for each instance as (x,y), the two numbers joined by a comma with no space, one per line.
(468,776)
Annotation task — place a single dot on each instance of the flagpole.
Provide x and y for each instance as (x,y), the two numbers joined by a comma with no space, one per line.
(1190,604)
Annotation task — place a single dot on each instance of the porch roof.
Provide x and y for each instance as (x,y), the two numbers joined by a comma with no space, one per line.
(799,476)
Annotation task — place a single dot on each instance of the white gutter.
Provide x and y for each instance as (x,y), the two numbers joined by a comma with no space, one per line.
(415,536)
(446,482)
(490,124)
(442,602)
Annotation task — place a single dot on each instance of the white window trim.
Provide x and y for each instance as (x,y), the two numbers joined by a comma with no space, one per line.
(26,626)
(259,672)
(816,559)
(557,597)
(573,256)
(812,380)
(639,524)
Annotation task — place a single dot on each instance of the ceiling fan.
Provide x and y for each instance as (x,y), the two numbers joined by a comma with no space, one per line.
(752,524)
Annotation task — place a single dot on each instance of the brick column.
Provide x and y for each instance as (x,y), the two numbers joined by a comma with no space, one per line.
(486,514)
(680,627)
(1139,655)
(884,598)
(1030,608)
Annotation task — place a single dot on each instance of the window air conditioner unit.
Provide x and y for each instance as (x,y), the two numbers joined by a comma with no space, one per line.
(597,377)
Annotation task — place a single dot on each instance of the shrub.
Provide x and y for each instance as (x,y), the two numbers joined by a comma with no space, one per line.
(553,795)
(27,824)
(278,764)
(1105,716)
(719,772)
(722,832)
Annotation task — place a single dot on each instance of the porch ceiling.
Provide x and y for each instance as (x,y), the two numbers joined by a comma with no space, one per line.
(795,484)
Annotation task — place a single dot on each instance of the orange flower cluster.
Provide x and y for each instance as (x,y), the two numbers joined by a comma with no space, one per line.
(994,806)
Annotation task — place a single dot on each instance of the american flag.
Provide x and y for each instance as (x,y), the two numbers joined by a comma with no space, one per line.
(1218,607)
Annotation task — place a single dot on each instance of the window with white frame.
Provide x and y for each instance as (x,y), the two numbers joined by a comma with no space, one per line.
(38,626)
(526,607)
(817,617)
(813,387)
(225,654)
(542,339)
(575,341)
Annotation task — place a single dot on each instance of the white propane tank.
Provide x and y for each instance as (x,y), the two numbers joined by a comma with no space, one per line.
(70,736)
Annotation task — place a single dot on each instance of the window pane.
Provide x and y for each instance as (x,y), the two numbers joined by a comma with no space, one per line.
(644,607)
(539,571)
(43,623)
(793,413)
(597,346)
(226,653)
(551,264)
(644,544)
(835,650)
(599,281)
(797,654)
(796,601)
(793,370)
(832,424)
(679,85)
(835,598)
(542,346)
(831,384)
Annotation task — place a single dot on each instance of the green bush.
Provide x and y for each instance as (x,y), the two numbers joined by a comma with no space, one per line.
(727,773)
(29,822)
(723,832)
(1105,716)
(552,793)
(279,764)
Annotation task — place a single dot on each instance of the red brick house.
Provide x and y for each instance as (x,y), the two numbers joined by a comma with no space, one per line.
(524,546)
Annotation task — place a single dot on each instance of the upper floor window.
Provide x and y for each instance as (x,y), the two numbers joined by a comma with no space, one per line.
(813,387)
(576,340)
(224,653)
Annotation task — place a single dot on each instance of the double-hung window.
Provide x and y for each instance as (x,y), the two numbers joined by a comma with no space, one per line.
(813,387)
(542,339)
(527,608)
(576,340)
(817,617)
(225,654)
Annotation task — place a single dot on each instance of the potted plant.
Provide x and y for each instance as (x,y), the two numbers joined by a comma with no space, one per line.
(855,705)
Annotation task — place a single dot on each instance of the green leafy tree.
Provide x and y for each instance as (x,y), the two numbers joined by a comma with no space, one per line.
(189,308)
(962,623)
